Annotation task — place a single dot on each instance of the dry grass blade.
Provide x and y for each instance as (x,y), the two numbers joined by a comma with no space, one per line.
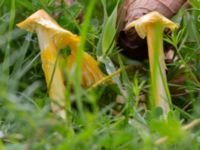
(184,128)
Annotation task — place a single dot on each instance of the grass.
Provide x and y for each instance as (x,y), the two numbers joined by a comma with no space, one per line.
(113,115)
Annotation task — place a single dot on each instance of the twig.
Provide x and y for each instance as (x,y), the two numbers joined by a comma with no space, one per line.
(191,125)
(107,78)
(187,105)
(184,128)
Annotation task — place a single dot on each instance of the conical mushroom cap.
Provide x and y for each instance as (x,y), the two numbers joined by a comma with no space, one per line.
(41,19)
(142,23)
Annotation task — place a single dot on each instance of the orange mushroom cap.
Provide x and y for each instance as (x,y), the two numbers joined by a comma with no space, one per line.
(60,36)
(143,22)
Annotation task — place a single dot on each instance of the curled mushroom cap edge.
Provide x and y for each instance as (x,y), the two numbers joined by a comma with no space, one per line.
(151,18)
(41,19)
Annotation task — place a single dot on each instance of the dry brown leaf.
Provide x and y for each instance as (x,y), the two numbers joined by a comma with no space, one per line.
(133,46)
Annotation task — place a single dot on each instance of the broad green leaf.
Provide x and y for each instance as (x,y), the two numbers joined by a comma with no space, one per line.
(99,44)
(109,32)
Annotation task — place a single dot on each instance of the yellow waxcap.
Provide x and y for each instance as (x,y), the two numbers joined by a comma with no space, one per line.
(41,19)
(143,22)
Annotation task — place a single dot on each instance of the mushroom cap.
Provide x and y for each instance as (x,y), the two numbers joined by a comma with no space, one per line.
(154,17)
(41,19)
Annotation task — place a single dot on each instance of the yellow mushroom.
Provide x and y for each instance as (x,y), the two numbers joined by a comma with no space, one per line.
(152,26)
(51,39)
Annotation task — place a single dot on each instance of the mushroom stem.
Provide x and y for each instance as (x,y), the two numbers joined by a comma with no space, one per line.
(53,74)
(159,91)
(152,25)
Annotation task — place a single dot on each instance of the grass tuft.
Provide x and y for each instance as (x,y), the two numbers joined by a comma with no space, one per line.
(113,115)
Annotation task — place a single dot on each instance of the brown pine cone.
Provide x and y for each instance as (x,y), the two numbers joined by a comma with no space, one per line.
(132,45)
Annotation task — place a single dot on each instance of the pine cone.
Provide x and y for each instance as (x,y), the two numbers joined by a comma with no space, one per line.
(133,46)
